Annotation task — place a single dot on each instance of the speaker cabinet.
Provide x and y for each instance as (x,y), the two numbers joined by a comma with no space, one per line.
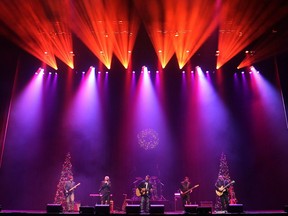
(286,208)
(86,210)
(54,208)
(132,209)
(102,209)
(235,208)
(204,210)
(191,208)
(159,209)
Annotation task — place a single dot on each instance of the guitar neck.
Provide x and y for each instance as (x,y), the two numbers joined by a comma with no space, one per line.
(74,187)
(188,191)
(229,184)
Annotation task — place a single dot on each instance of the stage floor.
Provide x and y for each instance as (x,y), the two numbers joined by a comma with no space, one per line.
(120,213)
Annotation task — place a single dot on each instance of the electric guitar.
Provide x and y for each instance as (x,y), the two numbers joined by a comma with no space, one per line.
(67,192)
(188,191)
(222,189)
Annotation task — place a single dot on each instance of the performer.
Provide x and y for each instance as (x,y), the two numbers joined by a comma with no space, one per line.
(105,190)
(145,188)
(185,190)
(222,189)
(69,193)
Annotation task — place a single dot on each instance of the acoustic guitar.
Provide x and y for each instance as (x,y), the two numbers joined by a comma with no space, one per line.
(141,191)
(222,189)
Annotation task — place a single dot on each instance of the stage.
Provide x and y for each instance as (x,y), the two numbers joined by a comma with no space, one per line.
(115,213)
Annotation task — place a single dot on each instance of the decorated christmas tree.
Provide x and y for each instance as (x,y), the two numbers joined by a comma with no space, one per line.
(66,171)
(224,171)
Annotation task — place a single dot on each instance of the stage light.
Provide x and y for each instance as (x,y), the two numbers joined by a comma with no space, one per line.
(132,209)
(189,209)
(54,208)
(286,208)
(102,209)
(235,208)
(86,210)
(157,209)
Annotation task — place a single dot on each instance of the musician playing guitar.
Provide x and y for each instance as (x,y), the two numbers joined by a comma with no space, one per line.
(222,187)
(145,188)
(69,193)
(185,190)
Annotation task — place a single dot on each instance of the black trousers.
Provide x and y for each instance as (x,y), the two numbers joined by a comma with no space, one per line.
(224,201)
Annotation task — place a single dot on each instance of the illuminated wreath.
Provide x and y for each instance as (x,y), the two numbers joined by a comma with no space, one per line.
(148,139)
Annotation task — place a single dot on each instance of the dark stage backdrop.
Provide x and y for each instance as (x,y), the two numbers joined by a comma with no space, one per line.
(195,119)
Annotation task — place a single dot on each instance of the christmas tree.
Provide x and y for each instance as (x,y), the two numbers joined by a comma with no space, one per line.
(224,171)
(66,171)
